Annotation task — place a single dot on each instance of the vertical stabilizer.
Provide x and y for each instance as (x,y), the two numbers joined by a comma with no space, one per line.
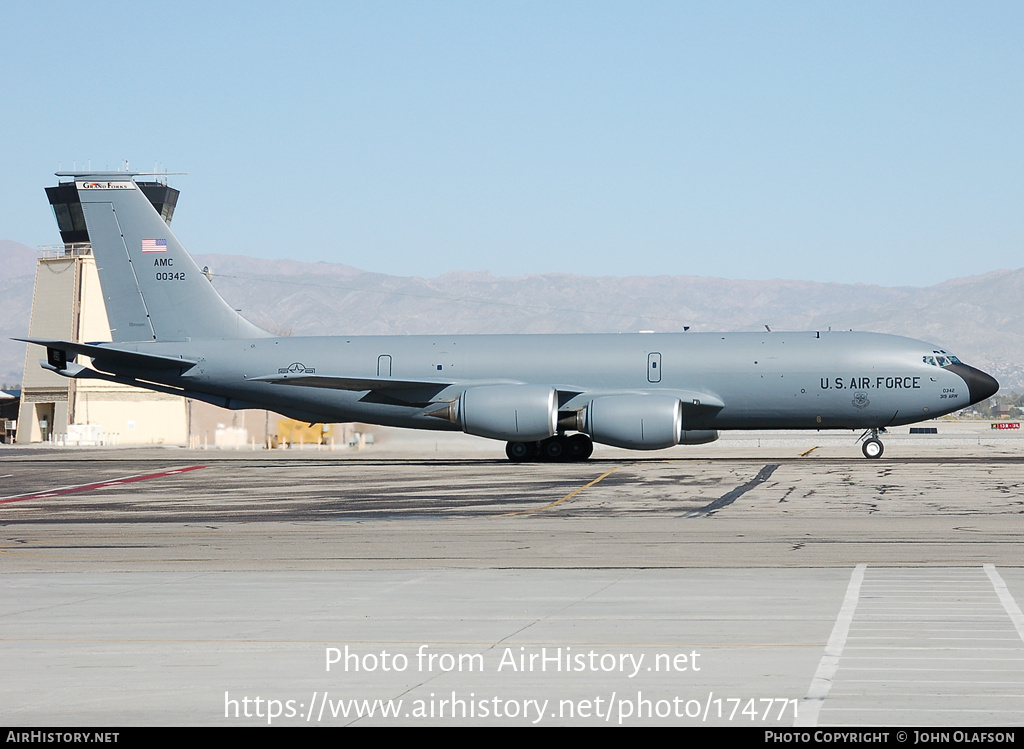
(152,288)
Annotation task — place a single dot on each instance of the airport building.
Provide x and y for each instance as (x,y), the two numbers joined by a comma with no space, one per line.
(68,304)
(9,404)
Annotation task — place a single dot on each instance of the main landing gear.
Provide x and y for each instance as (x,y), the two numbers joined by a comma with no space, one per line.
(872,447)
(557,449)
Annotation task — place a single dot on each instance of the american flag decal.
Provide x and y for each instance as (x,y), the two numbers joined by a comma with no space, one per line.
(154,245)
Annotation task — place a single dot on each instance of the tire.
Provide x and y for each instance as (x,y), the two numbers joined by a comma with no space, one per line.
(579,447)
(553,449)
(518,452)
(872,448)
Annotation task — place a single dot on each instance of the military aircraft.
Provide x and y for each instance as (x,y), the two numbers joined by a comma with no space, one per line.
(173,333)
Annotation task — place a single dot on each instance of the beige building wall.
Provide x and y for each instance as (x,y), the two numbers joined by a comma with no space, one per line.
(68,304)
(44,394)
(212,426)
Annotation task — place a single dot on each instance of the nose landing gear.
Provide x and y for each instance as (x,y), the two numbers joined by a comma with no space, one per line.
(872,447)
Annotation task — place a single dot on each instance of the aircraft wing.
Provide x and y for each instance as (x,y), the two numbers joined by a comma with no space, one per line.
(689,398)
(350,383)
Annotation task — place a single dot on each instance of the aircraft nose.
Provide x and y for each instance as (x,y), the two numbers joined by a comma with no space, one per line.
(980,384)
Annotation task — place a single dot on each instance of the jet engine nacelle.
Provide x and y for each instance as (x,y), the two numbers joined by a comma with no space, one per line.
(517,413)
(637,422)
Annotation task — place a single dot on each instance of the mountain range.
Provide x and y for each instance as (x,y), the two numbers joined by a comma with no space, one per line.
(979,318)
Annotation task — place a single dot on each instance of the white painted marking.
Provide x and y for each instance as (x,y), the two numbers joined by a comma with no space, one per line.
(810,706)
(1012,609)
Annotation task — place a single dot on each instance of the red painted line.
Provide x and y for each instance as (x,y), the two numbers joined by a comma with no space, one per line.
(98,485)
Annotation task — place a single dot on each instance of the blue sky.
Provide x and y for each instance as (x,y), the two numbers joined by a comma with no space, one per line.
(854,142)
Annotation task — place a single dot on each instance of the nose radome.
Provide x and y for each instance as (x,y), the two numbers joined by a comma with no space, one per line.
(980,384)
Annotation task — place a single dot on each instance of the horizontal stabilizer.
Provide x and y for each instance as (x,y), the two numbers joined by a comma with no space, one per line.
(106,353)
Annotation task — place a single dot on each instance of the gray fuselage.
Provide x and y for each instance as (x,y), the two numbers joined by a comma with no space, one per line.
(765,380)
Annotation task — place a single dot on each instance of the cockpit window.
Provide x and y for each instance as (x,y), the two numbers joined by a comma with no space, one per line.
(940,359)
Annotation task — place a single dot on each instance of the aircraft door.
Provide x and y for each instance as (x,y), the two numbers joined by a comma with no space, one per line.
(384,365)
(654,367)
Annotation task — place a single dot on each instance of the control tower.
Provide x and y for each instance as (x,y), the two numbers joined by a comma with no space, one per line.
(67,304)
